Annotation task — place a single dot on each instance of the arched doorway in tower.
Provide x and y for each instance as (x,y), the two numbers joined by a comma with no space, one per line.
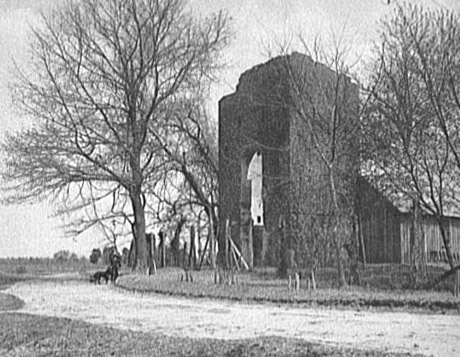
(251,224)
(255,176)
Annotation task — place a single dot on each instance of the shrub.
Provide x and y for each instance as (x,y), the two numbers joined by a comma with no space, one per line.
(21,269)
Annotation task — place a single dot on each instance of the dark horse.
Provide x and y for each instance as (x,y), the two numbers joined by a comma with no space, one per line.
(112,272)
(99,275)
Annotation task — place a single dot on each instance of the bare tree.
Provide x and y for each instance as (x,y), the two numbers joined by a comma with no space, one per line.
(323,103)
(192,164)
(109,76)
(412,124)
(325,100)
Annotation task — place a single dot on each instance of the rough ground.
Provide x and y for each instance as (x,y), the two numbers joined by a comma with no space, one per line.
(430,334)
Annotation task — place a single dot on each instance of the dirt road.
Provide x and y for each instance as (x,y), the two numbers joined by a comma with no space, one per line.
(437,335)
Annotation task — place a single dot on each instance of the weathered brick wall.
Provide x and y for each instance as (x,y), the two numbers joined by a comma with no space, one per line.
(311,195)
(230,118)
(252,120)
(263,115)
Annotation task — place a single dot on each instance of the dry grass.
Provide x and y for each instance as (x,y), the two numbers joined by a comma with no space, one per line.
(29,335)
(264,286)
(38,266)
(10,302)
(7,279)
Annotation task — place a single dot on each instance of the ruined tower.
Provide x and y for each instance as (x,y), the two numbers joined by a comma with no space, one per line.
(272,186)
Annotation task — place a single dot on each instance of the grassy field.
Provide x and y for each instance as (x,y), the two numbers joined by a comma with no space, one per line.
(37,266)
(380,289)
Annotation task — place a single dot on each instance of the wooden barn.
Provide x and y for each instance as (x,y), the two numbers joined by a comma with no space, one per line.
(386,227)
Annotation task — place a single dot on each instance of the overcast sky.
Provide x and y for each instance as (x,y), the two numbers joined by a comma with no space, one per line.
(30,230)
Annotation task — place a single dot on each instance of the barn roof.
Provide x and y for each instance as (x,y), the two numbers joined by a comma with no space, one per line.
(403,202)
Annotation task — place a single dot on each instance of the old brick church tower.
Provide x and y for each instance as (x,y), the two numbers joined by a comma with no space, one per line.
(273,183)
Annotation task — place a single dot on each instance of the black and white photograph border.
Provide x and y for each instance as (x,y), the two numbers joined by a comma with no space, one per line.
(229,178)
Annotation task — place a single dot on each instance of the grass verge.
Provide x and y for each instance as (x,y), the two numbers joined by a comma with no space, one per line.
(261,288)
(9,302)
(7,279)
(29,335)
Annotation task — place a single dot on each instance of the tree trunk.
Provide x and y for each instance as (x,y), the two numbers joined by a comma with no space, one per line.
(162,249)
(446,241)
(352,248)
(336,221)
(175,243)
(214,242)
(416,244)
(284,247)
(192,253)
(142,261)
(132,254)
(212,239)
(340,265)
(442,277)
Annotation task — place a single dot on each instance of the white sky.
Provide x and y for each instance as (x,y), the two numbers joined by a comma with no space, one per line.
(29,230)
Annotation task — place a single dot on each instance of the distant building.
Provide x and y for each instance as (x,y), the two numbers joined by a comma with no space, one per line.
(386,229)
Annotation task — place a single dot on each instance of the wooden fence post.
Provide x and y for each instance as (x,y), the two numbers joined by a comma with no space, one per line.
(162,249)
(203,252)
(212,243)
(361,238)
(227,232)
(192,253)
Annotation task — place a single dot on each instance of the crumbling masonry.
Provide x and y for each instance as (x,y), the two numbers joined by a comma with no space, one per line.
(260,118)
